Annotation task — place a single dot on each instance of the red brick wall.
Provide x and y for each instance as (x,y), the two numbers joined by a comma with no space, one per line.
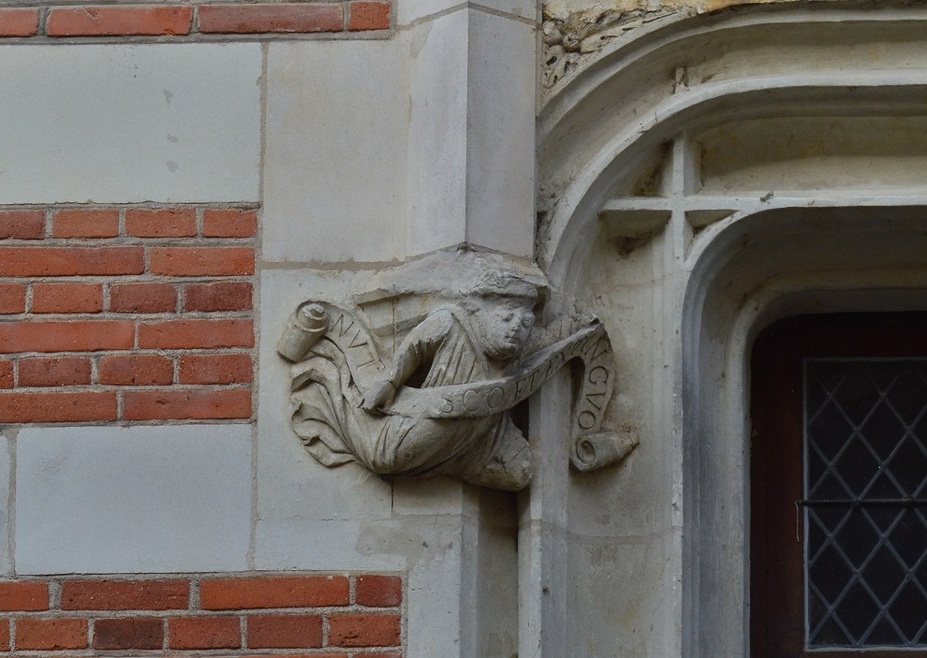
(190,19)
(126,313)
(335,616)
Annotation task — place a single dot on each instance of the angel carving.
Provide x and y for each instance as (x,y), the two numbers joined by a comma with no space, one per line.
(441,404)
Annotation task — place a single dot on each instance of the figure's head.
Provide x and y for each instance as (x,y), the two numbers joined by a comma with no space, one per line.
(506,324)
(502,303)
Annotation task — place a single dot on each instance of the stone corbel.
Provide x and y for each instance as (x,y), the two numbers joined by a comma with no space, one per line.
(440,405)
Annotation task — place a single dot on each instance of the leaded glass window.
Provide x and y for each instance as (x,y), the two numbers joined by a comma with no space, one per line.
(865,503)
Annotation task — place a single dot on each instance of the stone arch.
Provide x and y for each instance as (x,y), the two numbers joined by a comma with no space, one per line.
(683,74)
(765,267)
(699,179)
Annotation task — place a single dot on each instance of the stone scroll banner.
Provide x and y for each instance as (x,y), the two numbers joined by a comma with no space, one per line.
(591,448)
(589,347)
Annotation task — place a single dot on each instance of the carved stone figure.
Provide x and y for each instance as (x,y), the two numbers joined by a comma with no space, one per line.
(440,405)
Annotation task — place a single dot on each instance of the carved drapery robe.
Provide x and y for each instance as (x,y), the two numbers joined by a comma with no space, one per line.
(488,450)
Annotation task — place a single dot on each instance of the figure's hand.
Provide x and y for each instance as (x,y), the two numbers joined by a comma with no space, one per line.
(379,395)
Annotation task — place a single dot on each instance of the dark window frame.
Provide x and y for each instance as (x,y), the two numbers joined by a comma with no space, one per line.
(777,617)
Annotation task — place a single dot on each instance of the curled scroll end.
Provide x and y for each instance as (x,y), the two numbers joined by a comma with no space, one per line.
(303,330)
(598,449)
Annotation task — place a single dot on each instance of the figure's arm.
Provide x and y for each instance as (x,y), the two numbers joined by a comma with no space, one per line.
(418,347)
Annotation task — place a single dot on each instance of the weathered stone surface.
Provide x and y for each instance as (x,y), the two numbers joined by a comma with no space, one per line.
(170,123)
(440,404)
(132,500)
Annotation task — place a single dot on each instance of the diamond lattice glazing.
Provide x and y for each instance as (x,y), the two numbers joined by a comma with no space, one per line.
(866,502)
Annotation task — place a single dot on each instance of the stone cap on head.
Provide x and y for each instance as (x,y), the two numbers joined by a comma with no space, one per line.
(397,298)
(506,284)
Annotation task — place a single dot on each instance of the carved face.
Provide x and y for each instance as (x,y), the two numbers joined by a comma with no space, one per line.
(506,325)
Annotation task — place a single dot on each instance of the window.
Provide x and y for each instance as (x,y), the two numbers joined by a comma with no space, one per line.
(839,482)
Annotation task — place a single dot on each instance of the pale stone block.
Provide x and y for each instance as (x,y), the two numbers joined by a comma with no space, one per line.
(471,179)
(495,592)
(423,151)
(440,581)
(501,120)
(617,596)
(337,122)
(130,123)
(437,173)
(283,544)
(133,500)
(526,9)
(442,495)
(813,153)
(417,10)
(6,448)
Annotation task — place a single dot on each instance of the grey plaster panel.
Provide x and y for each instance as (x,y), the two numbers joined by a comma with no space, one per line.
(130,123)
(133,500)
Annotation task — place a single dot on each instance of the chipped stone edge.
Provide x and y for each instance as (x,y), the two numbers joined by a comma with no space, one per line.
(568,43)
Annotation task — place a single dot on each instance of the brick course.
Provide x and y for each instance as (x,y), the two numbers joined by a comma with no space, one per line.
(57,407)
(225,296)
(12,298)
(184,21)
(29,595)
(227,223)
(21,224)
(139,370)
(284,631)
(67,298)
(71,261)
(215,369)
(124,594)
(126,313)
(247,615)
(6,374)
(19,22)
(365,630)
(205,632)
(89,223)
(142,298)
(186,404)
(368,16)
(129,633)
(284,17)
(379,591)
(61,371)
(161,223)
(274,592)
(51,634)
(118,21)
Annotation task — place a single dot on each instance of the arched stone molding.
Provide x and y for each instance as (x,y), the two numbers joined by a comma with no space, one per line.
(686,74)
(686,256)
(764,267)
